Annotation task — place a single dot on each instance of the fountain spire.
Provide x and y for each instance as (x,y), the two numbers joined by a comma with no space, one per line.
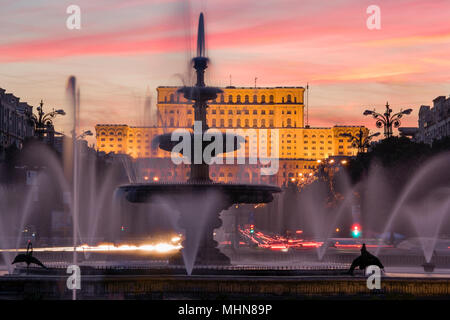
(201,48)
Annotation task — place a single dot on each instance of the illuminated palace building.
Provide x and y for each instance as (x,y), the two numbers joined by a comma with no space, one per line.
(300,147)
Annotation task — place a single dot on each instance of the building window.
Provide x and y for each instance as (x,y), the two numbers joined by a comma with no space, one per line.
(263,99)
(238,99)
(247,99)
(271,98)
(255,99)
(230,99)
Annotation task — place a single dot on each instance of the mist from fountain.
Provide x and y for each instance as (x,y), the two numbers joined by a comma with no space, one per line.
(320,219)
(196,224)
(29,197)
(5,225)
(418,205)
(55,180)
(427,217)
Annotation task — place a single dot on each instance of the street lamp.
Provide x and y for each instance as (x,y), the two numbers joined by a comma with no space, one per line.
(325,171)
(387,120)
(360,140)
(43,122)
(85,134)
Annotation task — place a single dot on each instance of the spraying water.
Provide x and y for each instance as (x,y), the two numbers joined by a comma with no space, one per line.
(427,179)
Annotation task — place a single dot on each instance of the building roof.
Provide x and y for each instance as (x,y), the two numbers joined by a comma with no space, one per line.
(233,87)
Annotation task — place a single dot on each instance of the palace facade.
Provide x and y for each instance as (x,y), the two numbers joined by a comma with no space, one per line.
(250,109)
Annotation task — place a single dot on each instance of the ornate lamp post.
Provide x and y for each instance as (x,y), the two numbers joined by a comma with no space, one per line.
(387,120)
(326,170)
(43,122)
(360,140)
(85,134)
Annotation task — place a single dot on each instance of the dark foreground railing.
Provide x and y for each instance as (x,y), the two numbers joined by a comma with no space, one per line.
(212,287)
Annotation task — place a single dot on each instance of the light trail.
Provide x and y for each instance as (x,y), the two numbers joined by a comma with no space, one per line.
(160,247)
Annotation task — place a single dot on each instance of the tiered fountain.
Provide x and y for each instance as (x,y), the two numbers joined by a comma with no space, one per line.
(199,200)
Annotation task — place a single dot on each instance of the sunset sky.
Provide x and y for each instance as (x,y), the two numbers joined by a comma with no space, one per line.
(127,46)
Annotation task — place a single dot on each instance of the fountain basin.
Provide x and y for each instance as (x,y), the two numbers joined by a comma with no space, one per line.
(428,267)
(200,93)
(230,142)
(236,193)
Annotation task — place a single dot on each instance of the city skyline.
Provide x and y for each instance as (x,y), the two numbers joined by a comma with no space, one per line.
(126,48)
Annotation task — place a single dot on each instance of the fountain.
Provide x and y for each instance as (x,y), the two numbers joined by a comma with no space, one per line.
(193,207)
(424,203)
(199,200)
